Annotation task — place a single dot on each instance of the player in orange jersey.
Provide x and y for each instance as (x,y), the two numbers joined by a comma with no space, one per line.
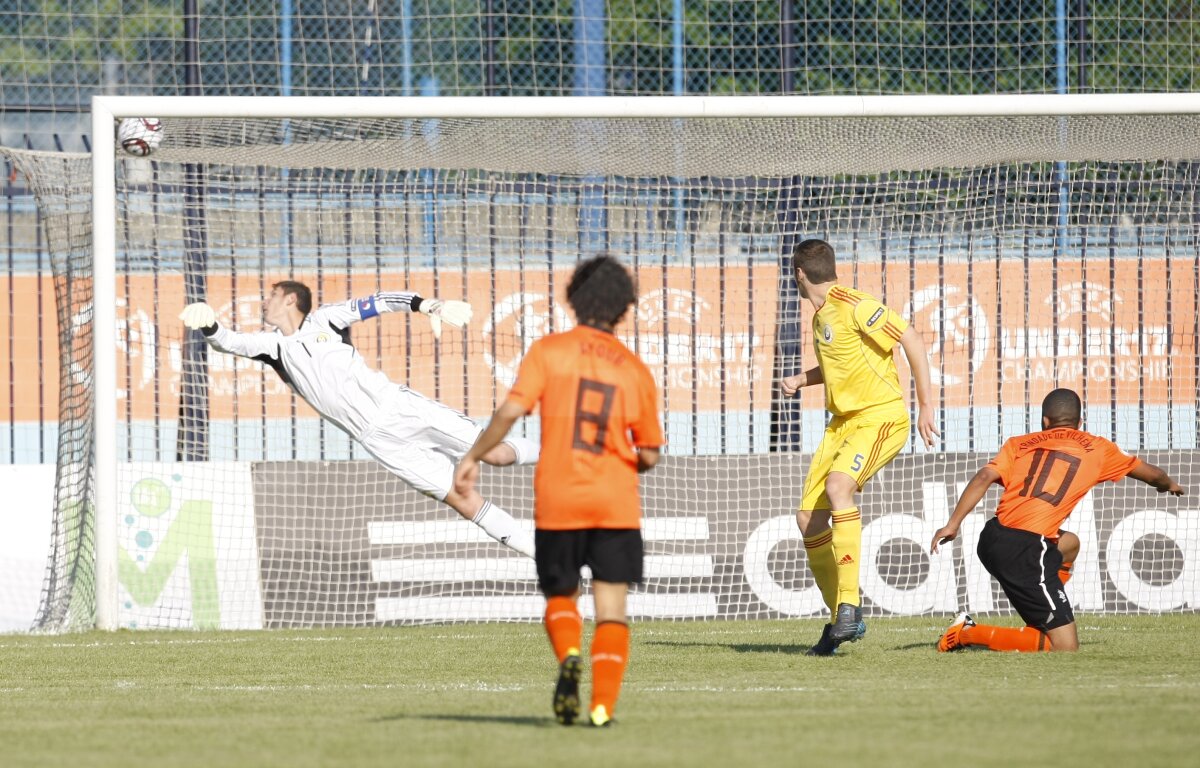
(1044,475)
(600,428)
(854,337)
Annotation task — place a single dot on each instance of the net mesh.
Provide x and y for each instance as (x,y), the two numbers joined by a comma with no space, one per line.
(64,186)
(240,507)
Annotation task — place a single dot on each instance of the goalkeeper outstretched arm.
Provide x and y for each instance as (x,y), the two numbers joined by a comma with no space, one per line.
(200,316)
(343,314)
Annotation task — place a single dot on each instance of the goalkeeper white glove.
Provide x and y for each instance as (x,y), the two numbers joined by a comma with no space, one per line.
(455,313)
(198,315)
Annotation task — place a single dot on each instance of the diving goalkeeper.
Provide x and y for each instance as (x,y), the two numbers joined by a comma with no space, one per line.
(413,437)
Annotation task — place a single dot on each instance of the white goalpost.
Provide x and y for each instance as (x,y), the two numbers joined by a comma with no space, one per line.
(1035,240)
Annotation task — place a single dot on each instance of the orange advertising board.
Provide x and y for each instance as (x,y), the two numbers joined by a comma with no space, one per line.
(706,349)
(992,331)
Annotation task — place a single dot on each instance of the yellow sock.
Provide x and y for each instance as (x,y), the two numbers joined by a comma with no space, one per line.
(824,568)
(847,551)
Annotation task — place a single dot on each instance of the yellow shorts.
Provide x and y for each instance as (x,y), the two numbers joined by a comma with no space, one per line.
(858,445)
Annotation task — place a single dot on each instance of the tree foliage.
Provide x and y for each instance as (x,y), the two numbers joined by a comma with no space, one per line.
(59,52)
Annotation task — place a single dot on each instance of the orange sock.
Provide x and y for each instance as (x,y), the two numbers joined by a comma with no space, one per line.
(1064,572)
(610,654)
(1025,639)
(564,625)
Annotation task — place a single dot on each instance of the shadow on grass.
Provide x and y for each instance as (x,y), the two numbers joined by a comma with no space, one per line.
(777,647)
(924,645)
(739,647)
(536,722)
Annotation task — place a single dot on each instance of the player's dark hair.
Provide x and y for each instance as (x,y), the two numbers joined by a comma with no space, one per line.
(1062,408)
(816,260)
(300,291)
(601,291)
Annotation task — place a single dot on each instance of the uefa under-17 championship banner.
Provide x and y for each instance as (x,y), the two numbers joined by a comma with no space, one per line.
(708,334)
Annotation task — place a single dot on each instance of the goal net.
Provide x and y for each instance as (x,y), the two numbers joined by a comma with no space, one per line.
(1034,242)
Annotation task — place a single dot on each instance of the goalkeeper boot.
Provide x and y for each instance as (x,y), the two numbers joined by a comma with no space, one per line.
(825,646)
(566,693)
(847,624)
(950,639)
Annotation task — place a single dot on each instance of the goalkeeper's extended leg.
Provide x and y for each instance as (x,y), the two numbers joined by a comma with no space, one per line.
(514,450)
(526,451)
(501,526)
(494,521)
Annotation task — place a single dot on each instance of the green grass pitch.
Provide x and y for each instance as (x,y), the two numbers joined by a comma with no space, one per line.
(697,694)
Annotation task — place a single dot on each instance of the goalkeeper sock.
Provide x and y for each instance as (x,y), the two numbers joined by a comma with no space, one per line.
(1024,639)
(819,548)
(528,451)
(564,626)
(610,654)
(1064,572)
(503,528)
(847,551)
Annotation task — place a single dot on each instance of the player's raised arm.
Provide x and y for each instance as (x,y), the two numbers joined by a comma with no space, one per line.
(342,314)
(918,363)
(454,313)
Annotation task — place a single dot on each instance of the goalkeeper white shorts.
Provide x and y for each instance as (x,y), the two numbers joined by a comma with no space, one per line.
(420,441)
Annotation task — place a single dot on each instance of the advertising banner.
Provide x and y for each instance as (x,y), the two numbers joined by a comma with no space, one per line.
(186,554)
(1120,329)
(721,542)
(27,519)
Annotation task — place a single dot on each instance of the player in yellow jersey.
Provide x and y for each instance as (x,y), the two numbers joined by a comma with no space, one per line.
(854,338)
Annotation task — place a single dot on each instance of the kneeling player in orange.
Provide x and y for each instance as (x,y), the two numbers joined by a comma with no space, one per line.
(600,428)
(1044,475)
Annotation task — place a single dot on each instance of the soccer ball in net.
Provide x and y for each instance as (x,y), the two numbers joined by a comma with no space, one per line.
(140,135)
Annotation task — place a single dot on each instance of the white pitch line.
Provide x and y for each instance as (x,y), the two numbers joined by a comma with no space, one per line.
(485,687)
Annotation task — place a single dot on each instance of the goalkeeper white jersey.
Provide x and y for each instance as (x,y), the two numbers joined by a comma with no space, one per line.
(319,363)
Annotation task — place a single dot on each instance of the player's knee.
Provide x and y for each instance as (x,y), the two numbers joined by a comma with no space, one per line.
(803,519)
(812,522)
(501,456)
(840,489)
(1063,638)
(523,450)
